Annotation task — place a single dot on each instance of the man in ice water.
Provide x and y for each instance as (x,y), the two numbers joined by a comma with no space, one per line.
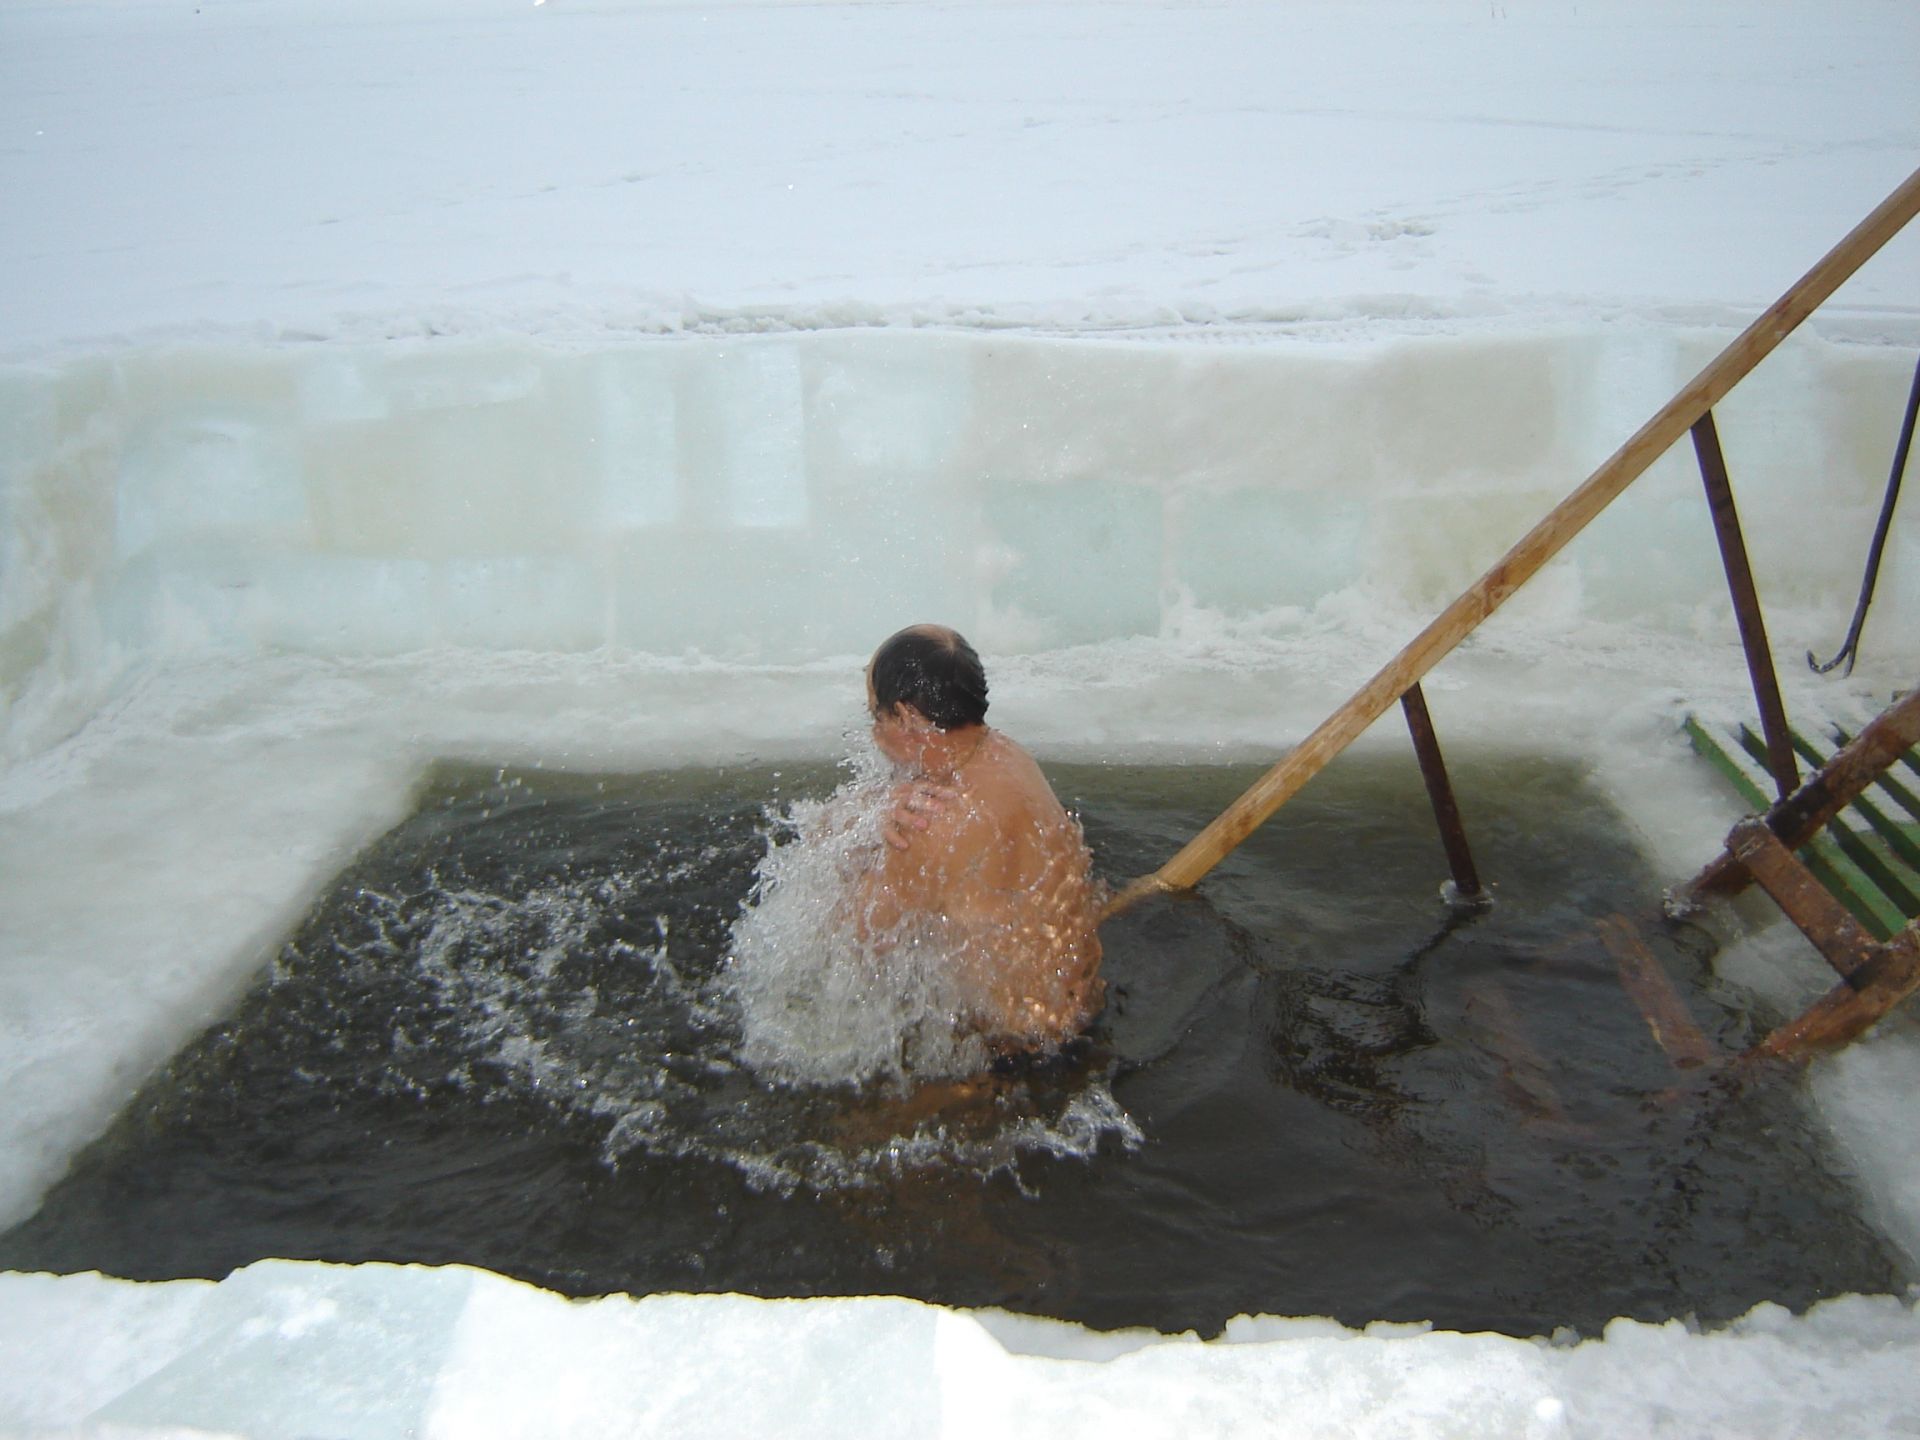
(979,855)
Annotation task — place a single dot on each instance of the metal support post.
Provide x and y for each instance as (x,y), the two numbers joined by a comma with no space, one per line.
(1746,605)
(1433,770)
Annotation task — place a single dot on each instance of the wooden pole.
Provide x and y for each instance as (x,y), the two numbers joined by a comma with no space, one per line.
(1523,561)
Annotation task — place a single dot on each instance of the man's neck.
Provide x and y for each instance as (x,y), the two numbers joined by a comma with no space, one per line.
(946,752)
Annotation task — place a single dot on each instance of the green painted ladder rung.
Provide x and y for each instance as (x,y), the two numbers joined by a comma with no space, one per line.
(1891,900)
(1902,840)
(1716,755)
(1911,759)
(1899,793)
(1823,861)
(1858,870)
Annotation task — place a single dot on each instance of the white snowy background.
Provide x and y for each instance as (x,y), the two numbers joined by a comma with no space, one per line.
(592,384)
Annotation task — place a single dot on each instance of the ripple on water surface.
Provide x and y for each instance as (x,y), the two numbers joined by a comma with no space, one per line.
(507,1036)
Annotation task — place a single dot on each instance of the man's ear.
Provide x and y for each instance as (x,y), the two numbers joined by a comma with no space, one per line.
(910,716)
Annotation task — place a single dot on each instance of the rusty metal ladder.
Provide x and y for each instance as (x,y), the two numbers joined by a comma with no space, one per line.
(1848,896)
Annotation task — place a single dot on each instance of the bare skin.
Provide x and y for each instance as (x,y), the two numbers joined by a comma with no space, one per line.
(979,848)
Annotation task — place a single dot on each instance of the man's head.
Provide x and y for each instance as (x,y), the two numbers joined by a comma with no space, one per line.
(933,670)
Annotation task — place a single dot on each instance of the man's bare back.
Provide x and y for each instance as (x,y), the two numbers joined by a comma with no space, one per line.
(981,860)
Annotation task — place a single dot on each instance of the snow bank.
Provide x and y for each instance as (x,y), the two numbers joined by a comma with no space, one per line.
(371,1351)
(360,170)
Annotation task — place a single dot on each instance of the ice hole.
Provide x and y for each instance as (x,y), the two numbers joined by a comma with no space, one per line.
(497,1040)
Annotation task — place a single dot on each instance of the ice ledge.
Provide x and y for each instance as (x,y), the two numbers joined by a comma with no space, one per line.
(774,499)
(286,1348)
(624,318)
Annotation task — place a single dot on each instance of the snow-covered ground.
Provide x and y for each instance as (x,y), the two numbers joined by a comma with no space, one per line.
(592,384)
(312,168)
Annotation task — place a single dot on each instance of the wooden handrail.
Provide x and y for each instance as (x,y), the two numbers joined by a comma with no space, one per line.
(1539,545)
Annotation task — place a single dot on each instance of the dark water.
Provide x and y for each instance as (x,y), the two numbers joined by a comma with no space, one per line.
(496,1041)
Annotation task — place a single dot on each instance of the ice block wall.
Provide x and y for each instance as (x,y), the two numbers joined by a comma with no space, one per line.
(776,498)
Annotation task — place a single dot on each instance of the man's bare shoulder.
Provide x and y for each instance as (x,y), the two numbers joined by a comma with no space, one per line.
(1019,787)
(1004,765)
(998,791)
(946,822)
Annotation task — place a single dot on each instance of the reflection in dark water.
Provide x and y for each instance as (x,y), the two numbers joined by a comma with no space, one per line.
(504,1038)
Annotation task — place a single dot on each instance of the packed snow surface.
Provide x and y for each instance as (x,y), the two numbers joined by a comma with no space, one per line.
(388,381)
(303,169)
(289,1350)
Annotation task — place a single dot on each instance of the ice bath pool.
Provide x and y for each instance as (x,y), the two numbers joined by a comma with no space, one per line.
(501,1038)
(246,624)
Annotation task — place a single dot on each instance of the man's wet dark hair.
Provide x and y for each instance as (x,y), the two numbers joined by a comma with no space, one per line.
(934,670)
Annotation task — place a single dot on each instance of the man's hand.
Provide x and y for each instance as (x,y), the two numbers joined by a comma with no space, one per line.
(911,809)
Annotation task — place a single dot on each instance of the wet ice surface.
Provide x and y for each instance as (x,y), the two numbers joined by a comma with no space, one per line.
(507,1037)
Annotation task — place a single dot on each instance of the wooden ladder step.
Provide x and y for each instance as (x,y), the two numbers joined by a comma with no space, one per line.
(1653,994)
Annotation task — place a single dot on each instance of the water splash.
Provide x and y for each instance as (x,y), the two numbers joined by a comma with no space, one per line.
(699,996)
(816,1004)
